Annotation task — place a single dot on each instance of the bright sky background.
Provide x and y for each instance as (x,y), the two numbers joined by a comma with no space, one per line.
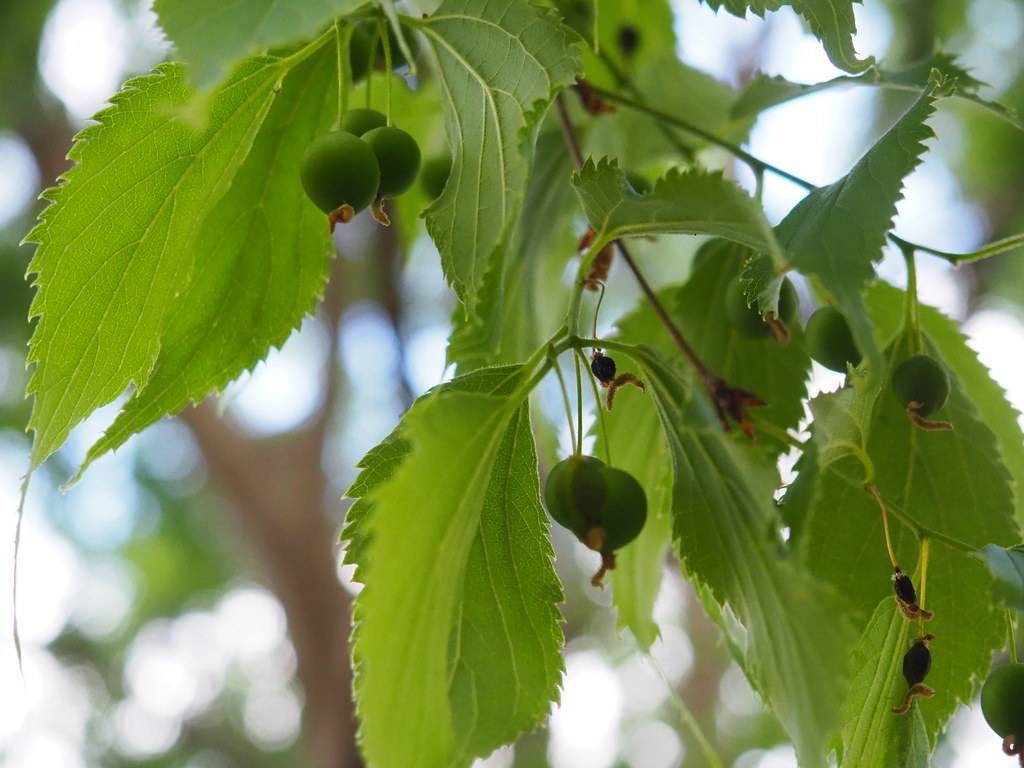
(176,667)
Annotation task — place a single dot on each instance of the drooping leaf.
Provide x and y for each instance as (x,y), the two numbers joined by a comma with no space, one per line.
(265,256)
(682,202)
(794,638)
(1007,567)
(837,232)
(522,299)
(635,443)
(831,21)
(211,37)
(500,65)
(457,634)
(117,245)
(886,305)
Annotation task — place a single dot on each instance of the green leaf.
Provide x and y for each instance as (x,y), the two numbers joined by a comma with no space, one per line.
(873,737)
(1007,567)
(117,245)
(837,232)
(506,331)
(457,635)
(500,64)
(265,259)
(682,202)
(831,21)
(211,37)
(794,639)
(951,482)
(886,302)
(635,443)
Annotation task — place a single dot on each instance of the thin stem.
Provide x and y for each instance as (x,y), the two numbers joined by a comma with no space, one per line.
(711,757)
(306,51)
(342,38)
(757,164)
(600,413)
(912,320)
(924,583)
(14,576)
(565,401)
(885,524)
(996,247)
(597,310)
(374,39)
(1011,636)
(597,27)
(754,162)
(652,298)
(386,42)
(924,532)
(579,404)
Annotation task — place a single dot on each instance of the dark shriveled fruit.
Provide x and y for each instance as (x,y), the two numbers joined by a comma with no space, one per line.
(830,341)
(922,380)
(399,157)
(1002,701)
(339,169)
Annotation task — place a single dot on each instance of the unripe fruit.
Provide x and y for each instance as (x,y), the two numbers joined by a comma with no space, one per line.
(359,121)
(340,169)
(625,509)
(830,341)
(638,182)
(434,175)
(922,380)
(399,157)
(575,491)
(1002,701)
(747,319)
(605,508)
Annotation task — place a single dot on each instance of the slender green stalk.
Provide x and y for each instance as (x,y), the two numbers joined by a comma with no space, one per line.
(600,414)
(757,164)
(912,321)
(386,42)
(711,758)
(924,583)
(307,50)
(1010,636)
(342,38)
(14,576)
(579,404)
(566,403)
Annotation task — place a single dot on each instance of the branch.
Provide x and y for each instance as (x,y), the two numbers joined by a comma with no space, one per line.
(761,166)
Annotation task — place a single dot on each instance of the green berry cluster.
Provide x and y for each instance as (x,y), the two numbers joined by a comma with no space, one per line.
(604,507)
(364,161)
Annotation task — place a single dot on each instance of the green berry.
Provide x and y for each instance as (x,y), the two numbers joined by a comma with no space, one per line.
(434,175)
(399,157)
(1002,701)
(340,169)
(575,492)
(625,509)
(359,121)
(638,182)
(747,319)
(920,379)
(584,495)
(830,341)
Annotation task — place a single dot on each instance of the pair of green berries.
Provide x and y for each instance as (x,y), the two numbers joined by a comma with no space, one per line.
(366,160)
(604,507)
(1002,704)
